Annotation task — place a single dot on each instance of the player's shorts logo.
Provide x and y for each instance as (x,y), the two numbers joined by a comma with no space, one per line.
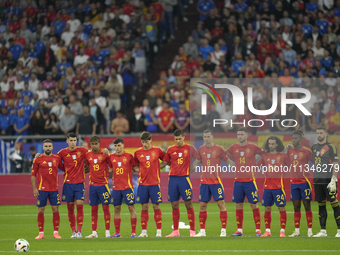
(208,155)
(138,199)
(242,153)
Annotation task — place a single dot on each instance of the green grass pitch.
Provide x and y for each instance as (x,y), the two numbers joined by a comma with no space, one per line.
(20,222)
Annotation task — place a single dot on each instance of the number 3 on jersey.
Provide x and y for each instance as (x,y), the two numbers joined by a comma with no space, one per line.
(147,164)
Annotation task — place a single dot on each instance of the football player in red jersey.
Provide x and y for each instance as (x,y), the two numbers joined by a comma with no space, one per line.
(47,169)
(273,164)
(97,164)
(244,154)
(123,164)
(74,178)
(148,158)
(301,188)
(179,156)
(211,156)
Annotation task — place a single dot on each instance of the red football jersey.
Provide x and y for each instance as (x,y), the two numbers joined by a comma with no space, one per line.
(274,178)
(149,168)
(180,158)
(166,116)
(99,170)
(74,164)
(299,159)
(211,157)
(47,169)
(122,170)
(245,157)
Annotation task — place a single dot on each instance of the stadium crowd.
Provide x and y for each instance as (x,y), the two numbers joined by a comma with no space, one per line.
(78,65)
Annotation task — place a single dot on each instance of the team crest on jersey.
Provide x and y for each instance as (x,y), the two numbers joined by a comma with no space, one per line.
(100,157)
(295,156)
(278,158)
(301,155)
(153,154)
(247,150)
(322,152)
(124,160)
(74,156)
(49,164)
(95,161)
(119,164)
(185,152)
(242,153)
(214,154)
(147,157)
(317,153)
(273,161)
(208,155)
(79,154)
(54,162)
(180,154)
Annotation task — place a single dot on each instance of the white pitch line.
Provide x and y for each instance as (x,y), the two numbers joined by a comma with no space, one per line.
(181,251)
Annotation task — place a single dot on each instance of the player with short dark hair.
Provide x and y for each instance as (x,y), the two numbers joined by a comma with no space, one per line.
(245,185)
(301,188)
(97,164)
(147,158)
(272,163)
(326,167)
(123,165)
(179,156)
(46,167)
(211,156)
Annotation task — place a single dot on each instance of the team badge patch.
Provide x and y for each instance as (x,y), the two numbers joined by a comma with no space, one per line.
(119,163)
(100,158)
(95,161)
(214,154)
(185,152)
(49,164)
(322,152)
(300,155)
(54,162)
(242,153)
(273,161)
(147,157)
(208,155)
(74,156)
(295,156)
(79,154)
(124,160)
(317,153)
(248,151)
(180,154)
(153,154)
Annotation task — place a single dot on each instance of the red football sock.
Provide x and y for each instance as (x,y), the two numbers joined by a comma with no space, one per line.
(117,225)
(107,216)
(223,218)
(191,218)
(41,222)
(133,225)
(144,219)
(175,218)
(80,217)
(257,218)
(71,217)
(267,219)
(239,218)
(158,218)
(56,221)
(309,216)
(297,218)
(94,217)
(203,218)
(283,219)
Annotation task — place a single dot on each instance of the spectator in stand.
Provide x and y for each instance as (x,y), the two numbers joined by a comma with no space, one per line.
(52,126)
(203,8)
(97,114)
(46,57)
(324,102)
(37,126)
(145,108)
(332,120)
(119,125)
(21,123)
(151,121)
(68,122)
(136,122)
(58,109)
(182,118)
(126,71)
(166,119)
(27,106)
(75,107)
(190,48)
(81,99)
(205,49)
(17,159)
(5,122)
(152,98)
(86,124)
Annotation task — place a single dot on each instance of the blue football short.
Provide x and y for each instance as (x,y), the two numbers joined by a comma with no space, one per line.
(301,191)
(118,195)
(73,192)
(52,196)
(99,195)
(144,193)
(245,189)
(208,190)
(274,195)
(179,186)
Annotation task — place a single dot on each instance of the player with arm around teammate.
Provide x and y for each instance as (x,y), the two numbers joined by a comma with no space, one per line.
(46,167)
(211,156)
(179,156)
(123,165)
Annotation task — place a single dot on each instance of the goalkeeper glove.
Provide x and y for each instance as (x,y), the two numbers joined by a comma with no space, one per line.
(332,185)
